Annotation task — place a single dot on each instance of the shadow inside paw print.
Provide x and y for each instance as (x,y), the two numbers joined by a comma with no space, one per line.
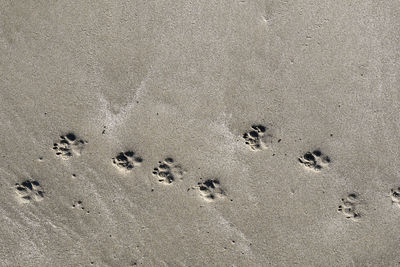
(395,195)
(127,160)
(167,171)
(210,190)
(29,190)
(254,138)
(315,160)
(348,207)
(68,145)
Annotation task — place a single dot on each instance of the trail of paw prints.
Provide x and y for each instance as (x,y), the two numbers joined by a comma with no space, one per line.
(79,205)
(69,145)
(211,190)
(168,171)
(347,208)
(29,190)
(253,138)
(395,195)
(127,160)
(315,160)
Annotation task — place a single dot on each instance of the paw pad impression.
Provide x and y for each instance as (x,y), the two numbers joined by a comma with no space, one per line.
(210,190)
(167,171)
(347,208)
(29,190)
(127,160)
(395,195)
(253,138)
(315,160)
(69,145)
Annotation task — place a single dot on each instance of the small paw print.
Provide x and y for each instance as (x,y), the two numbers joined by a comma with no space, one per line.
(167,171)
(127,160)
(395,195)
(79,205)
(315,160)
(347,208)
(210,190)
(68,146)
(253,138)
(29,190)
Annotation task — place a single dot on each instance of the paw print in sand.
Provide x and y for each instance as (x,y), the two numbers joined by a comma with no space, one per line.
(79,205)
(127,160)
(167,171)
(314,160)
(395,195)
(254,138)
(29,190)
(68,146)
(210,190)
(348,207)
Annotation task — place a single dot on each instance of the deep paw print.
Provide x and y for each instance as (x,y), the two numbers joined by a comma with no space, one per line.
(79,205)
(348,207)
(395,195)
(315,160)
(210,190)
(167,171)
(69,145)
(127,160)
(254,138)
(29,190)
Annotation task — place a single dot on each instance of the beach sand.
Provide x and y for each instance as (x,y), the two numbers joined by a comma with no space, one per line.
(199,133)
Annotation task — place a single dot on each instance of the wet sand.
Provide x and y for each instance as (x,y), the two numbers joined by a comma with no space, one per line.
(203,133)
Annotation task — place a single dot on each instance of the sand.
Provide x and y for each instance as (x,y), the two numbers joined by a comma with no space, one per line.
(199,133)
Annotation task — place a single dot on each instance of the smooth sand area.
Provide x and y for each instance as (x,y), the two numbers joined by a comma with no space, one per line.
(199,133)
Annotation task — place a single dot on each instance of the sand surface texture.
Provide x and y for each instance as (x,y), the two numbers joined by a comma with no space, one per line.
(199,133)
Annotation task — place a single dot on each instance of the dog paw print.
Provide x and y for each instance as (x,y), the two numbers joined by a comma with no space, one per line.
(315,160)
(69,145)
(254,138)
(210,190)
(29,190)
(347,208)
(395,195)
(127,160)
(79,205)
(167,171)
